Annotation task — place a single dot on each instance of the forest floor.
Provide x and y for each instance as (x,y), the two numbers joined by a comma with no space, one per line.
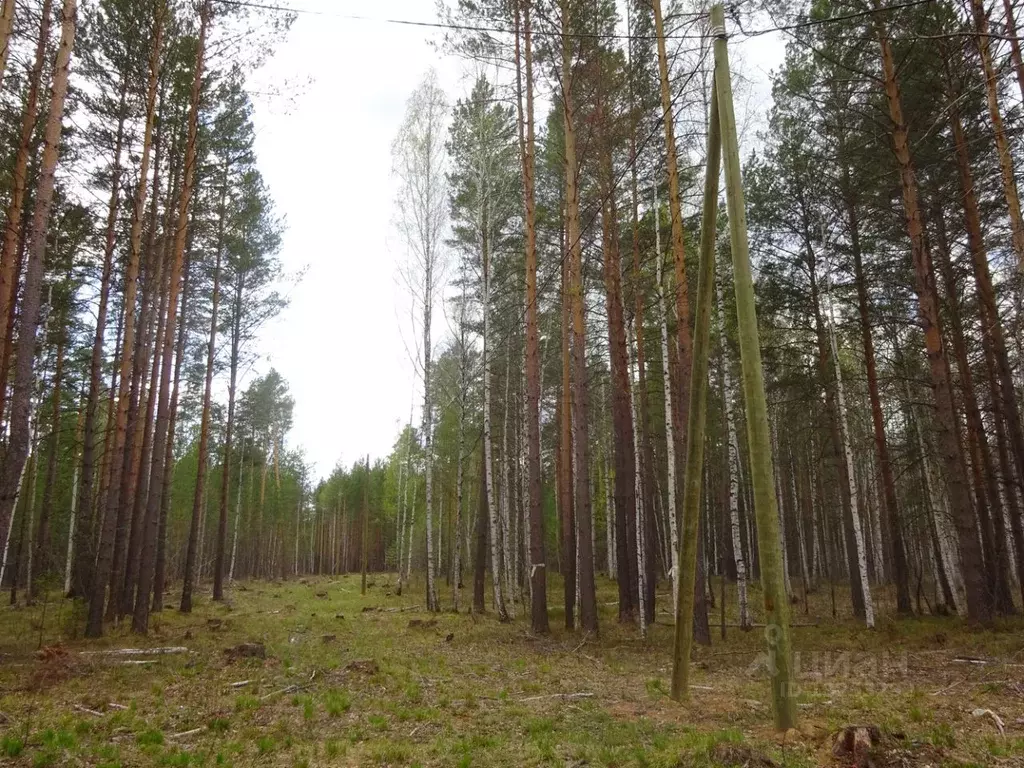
(351,680)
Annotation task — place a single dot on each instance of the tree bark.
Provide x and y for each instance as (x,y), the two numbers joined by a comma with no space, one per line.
(80,584)
(42,562)
(204,423)
(732,466)
(581,443)
(1007,172)
(626,501)
(1003,394)
(979,603)
(24,380)
(994,537)
(6,27)
(14,234)
(116,446)
(892,513)
(140,619)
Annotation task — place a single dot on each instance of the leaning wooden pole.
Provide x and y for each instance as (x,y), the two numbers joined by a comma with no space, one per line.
(687,565)
(759,444)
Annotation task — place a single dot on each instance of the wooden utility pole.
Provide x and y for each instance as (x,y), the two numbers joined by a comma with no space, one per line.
(687,565)
(759,443)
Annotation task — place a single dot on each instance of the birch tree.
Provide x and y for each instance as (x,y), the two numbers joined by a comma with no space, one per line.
(419,166)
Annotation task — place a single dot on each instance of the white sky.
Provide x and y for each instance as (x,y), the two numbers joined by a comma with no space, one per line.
(325,153)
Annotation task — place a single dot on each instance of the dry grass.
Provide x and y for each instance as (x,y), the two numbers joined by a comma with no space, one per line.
(468,691)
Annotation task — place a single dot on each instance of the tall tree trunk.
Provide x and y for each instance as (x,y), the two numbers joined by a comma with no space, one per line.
(626,501)
(160,572)
(494,532)
(6,27)
(979,603)
(892,513)
(1003,394)
(140,619)
(670,437)
(581,442)
(204,423)
(42,561)
(116,445)
(225,480)
(684,351)
(24,380)
(859,549)
(994,538)
(1006,169)
(14,232)
(482,523)
(732,465)
(80,584)
(73,516)
(135,473)
(690,603)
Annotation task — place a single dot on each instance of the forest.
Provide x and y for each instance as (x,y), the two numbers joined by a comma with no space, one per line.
(715,454)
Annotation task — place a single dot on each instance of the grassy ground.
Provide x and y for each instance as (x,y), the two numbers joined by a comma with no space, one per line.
(351,680)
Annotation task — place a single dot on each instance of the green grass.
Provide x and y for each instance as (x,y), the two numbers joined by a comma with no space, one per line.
(382,693)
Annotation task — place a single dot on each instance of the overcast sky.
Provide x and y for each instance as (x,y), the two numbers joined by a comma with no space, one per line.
(324,149)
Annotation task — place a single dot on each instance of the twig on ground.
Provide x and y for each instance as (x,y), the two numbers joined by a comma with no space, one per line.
(582,642)
(115,705)
(184,734)
(241,684)
(88,711)
(137,651)
(563,696)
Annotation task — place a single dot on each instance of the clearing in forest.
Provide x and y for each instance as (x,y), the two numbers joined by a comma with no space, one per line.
(311,673)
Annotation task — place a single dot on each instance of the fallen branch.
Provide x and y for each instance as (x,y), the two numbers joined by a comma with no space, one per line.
(582,642)
(290,688)
(88,711)
(995,718)
(183,734)
(241,684)
(139,663)
(563,696)
(115,705)
(137,651)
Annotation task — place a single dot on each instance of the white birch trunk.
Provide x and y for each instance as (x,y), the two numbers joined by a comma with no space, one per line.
(71,530)
(948,551)
(858,534)
(459,468)
(238,514)
(492,510)
(670,443)
(800,537)
(507,537)
(734,468)
(14,509)
(641,512)
(876,530)
(409,530)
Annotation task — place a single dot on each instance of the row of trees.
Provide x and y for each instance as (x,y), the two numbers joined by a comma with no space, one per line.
(138,264)
(884,225)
